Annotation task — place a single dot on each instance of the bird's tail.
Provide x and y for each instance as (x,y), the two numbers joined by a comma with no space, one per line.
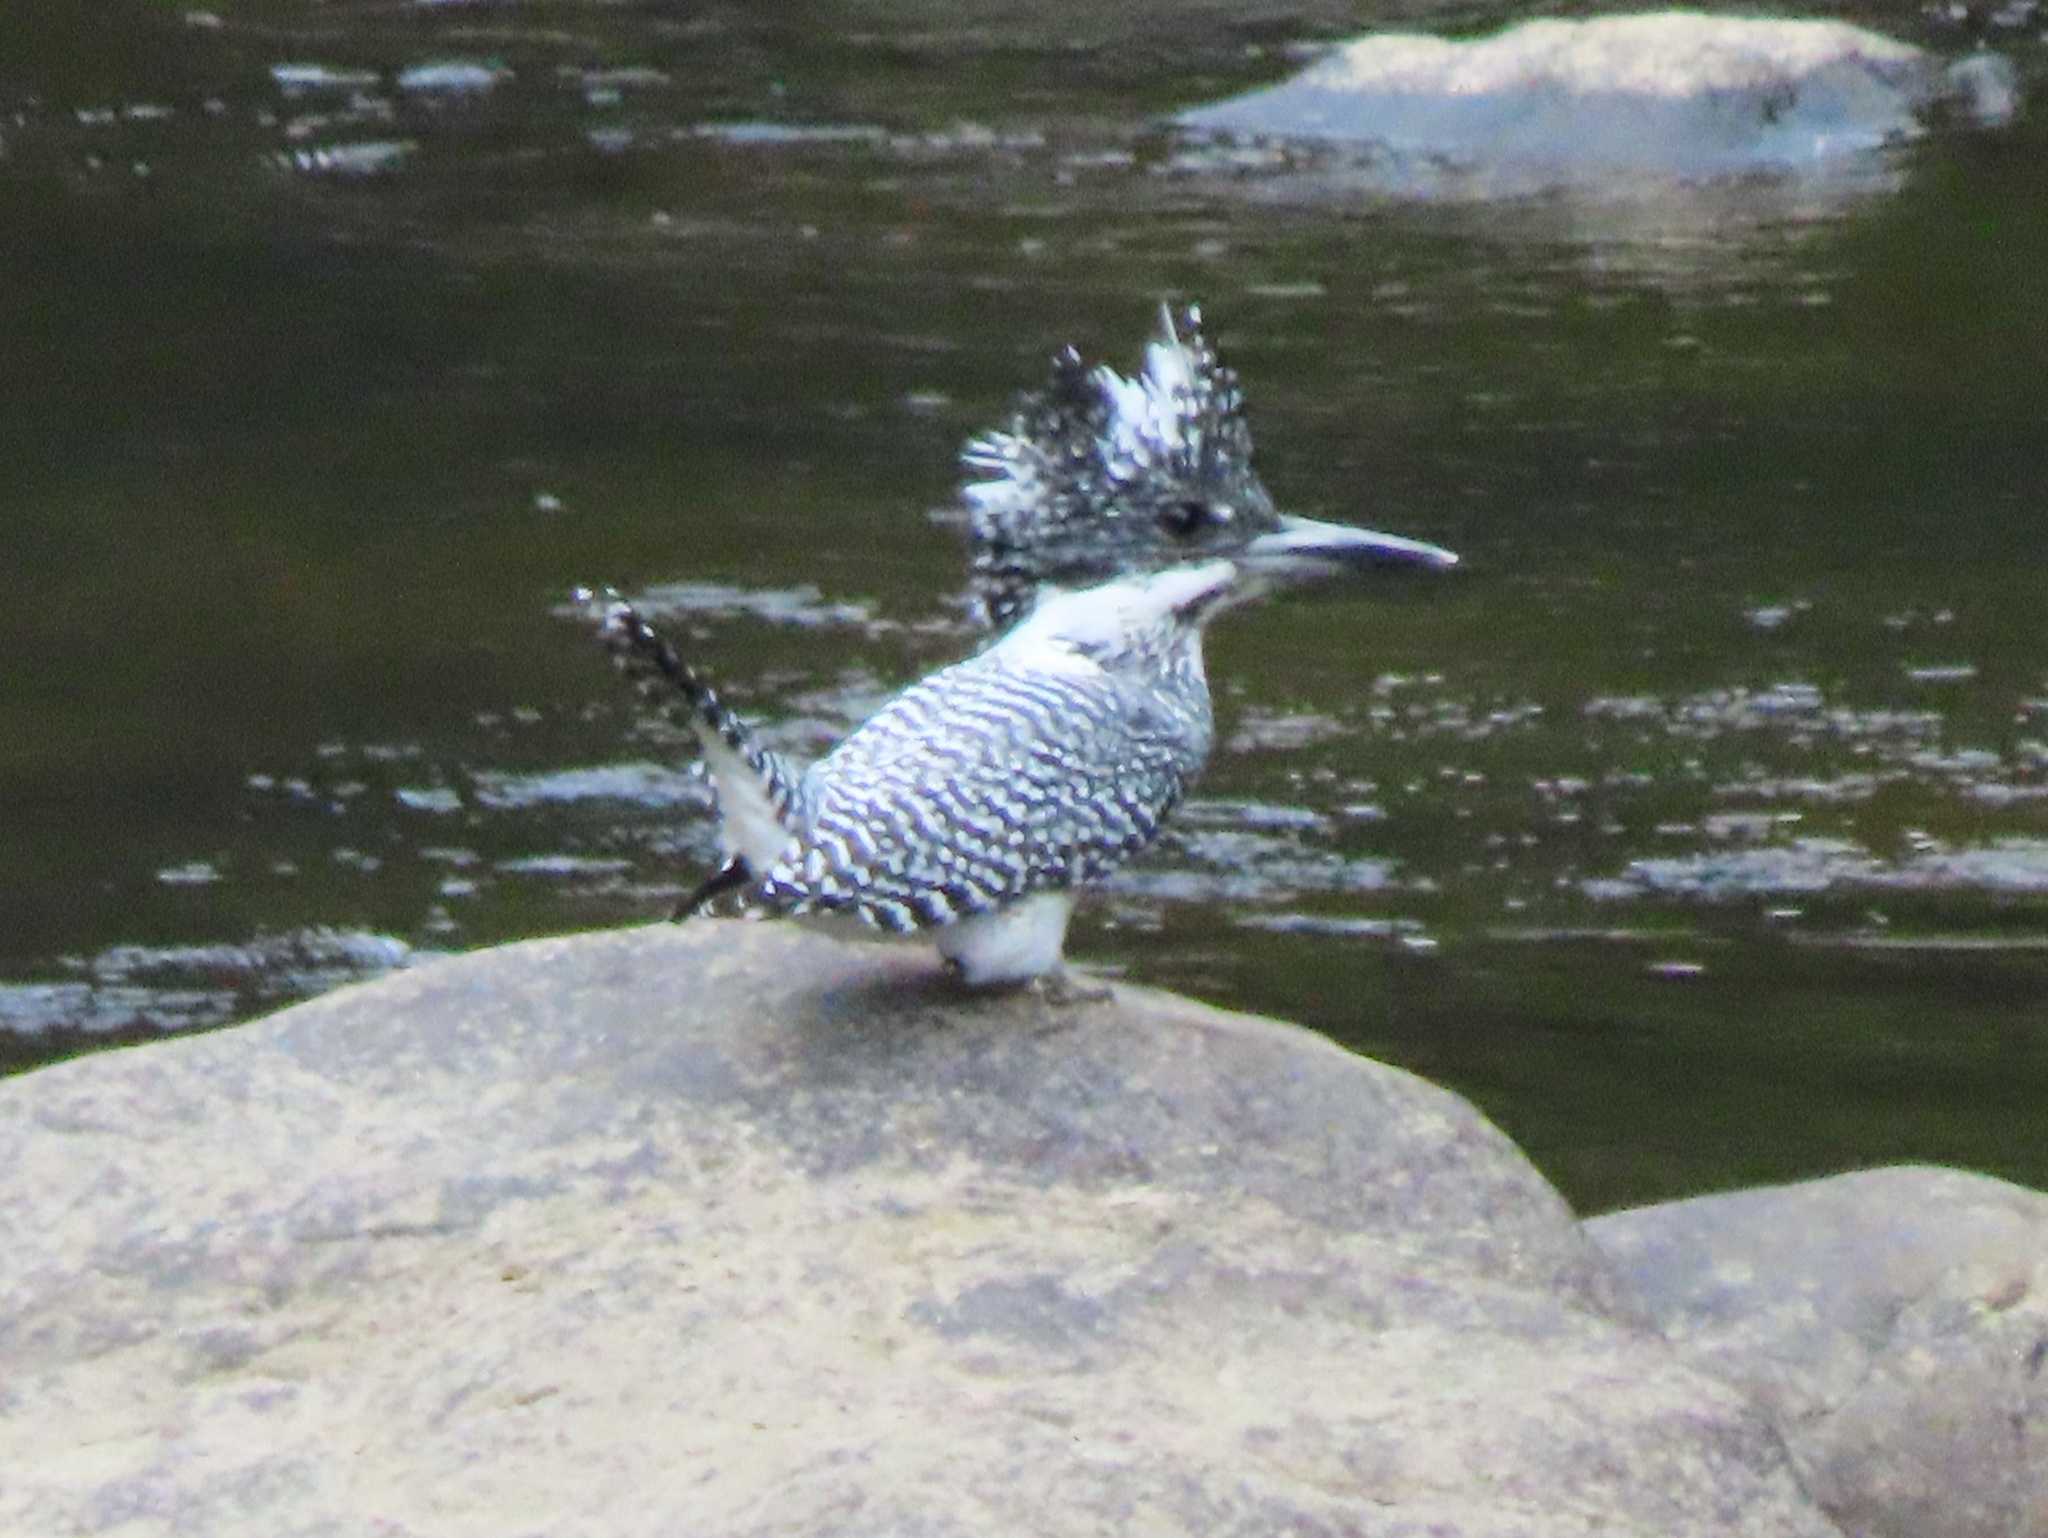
(758,789)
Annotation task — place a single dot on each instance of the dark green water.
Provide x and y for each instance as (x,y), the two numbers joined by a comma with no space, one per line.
(1696,829)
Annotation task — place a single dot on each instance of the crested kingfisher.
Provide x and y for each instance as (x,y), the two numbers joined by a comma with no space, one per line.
(1109,521)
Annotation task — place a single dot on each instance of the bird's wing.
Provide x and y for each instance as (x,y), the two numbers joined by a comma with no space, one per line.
(984,783)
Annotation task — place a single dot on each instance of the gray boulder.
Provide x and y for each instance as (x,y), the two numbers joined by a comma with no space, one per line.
(730,1229)
(1561,102)
(1894,1323)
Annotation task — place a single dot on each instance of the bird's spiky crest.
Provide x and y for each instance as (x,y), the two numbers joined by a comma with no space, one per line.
(1067,491)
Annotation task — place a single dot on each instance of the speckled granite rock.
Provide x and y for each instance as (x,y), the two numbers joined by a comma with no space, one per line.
(729,1229)
(1893,1322)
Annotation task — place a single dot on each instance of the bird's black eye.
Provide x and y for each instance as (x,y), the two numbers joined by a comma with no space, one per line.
(1184,519)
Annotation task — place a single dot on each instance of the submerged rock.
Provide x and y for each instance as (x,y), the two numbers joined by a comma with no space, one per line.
(1675,94)
(730,1229)
(1894,1323)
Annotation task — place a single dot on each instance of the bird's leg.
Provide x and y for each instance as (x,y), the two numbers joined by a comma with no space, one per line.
(733,873)
(1063,986)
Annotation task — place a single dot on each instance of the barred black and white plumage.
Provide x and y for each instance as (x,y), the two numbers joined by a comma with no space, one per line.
(1041,764)
(1116,518)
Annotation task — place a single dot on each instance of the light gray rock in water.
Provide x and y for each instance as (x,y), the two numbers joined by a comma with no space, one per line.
(730,1229)
(1893,1322)
(1669,93)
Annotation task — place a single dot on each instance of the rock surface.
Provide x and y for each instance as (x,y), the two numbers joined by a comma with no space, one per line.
(730,1229)
(1670,93)
(1893,1322)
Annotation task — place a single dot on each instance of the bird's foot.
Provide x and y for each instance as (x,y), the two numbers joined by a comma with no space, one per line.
(1066,988)
(1063,987)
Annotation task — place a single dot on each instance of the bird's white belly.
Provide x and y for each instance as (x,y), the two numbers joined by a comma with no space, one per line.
(1013,944)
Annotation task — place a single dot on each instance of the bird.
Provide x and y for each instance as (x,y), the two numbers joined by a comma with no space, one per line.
(1110,520)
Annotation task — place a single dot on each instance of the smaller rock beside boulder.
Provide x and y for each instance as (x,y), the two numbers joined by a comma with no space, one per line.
(1671,93)
(1894,1323)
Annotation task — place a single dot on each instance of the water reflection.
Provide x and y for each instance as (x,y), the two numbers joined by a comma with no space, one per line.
(130,992)
(1709,796)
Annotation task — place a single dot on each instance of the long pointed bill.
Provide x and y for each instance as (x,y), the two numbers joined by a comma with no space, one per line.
(1303,548)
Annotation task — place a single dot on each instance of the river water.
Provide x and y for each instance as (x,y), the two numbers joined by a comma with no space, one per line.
(1695,828)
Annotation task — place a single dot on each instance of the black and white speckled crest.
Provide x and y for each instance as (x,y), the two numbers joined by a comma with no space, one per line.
(1098,475)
